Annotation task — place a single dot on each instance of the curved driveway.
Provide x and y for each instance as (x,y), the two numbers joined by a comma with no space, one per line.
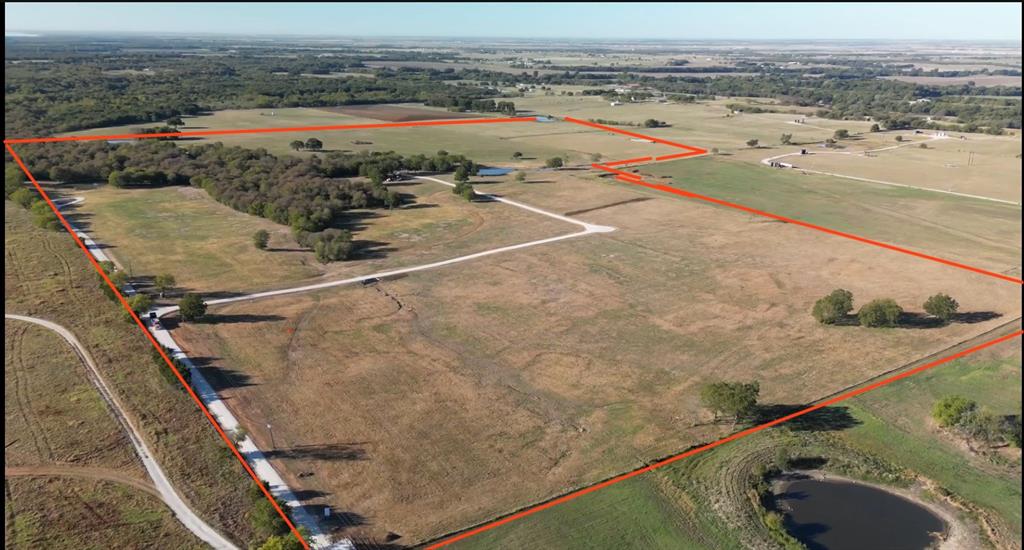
(185,515)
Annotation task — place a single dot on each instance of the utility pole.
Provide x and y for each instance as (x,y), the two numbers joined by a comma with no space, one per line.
(271,428)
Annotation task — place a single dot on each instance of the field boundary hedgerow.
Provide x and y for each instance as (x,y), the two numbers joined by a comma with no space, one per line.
(621,175)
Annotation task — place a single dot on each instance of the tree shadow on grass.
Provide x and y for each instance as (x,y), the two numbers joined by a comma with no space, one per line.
(309,494)
(971,317)
(364,249)
(329,452)
(338,522)
(827,419)
(221,378)
(232,318)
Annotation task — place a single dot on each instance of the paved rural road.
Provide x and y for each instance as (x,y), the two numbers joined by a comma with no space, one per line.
(768,161)
(185,515)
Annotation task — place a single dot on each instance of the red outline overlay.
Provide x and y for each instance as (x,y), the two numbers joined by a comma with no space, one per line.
(694,151)
(619,175)
(724,440)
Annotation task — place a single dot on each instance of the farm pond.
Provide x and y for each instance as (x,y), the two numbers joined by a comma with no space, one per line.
(827,514)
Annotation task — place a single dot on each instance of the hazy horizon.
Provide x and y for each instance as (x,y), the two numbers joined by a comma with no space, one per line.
(900,22)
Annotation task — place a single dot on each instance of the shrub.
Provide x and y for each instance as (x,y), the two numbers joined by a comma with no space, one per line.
(554,162)
(942,306)
(260,239)
(192,307)
(951,410)
(883,312)
(24,197)
(44,217)
(834,307)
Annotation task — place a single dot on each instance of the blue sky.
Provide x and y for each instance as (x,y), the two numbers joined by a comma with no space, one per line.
(963,21)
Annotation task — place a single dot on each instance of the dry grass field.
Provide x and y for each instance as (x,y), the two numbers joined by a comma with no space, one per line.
(53,414)
(398,113)
(76,514)
(208,246)
(977,79)
(430,402)
(524,375)
(979,165)
(484,143)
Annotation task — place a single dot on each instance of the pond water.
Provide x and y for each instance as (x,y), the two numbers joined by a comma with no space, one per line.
(493,171)
(840,515)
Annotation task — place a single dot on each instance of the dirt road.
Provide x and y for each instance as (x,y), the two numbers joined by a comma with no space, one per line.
(161,485)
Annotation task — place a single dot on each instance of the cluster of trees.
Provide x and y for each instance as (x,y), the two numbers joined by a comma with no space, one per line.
(27,198)
(311,144)
(464,104)
(462,186)
(966,418)
(737,400)
(881,312)
(329,245)
(310,195)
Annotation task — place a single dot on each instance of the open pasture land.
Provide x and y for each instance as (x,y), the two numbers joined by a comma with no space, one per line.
(977,79)
(978,165)
(398,113)
(708,124)
(484,143)
(887,437)
(975,232)
(75,514)
(208,246)
(896,424)
(527,374)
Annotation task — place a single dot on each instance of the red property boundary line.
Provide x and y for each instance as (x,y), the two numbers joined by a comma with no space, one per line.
(694,151)
(723,441)
(620,175)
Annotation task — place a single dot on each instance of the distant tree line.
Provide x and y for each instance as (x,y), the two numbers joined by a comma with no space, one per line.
(77,88)
(85,86)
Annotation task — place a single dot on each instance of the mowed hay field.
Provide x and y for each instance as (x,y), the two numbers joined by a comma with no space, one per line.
(69,513)
(979,165)
(208,246)
(524,375)
(975,232)
(484,143)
